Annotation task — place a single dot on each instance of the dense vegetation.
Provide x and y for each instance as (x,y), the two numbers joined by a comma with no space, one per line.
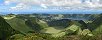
(25,27)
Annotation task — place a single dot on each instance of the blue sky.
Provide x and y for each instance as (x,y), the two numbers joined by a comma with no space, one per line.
(38,6)
(1,1)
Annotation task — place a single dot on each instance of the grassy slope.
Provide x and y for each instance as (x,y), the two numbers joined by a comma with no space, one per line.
(5,29)
(19,25)
(97,25)
(58,32)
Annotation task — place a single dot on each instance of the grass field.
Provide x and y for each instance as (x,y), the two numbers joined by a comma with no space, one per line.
(51,30)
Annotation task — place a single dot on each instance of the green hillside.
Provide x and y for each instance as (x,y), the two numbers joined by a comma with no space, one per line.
(6,30)
(40,27)
(19,25)
(97,25)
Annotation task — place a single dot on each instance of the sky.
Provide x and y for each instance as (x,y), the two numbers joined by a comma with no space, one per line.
(51,6)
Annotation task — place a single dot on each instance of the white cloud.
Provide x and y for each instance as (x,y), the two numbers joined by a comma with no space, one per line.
(7,2)
(25,1)
(23,4)
(44,6)
(20,6)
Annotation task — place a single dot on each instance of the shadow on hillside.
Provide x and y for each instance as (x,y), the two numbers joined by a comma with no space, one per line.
(96,23)
(59,24)
(34,25)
